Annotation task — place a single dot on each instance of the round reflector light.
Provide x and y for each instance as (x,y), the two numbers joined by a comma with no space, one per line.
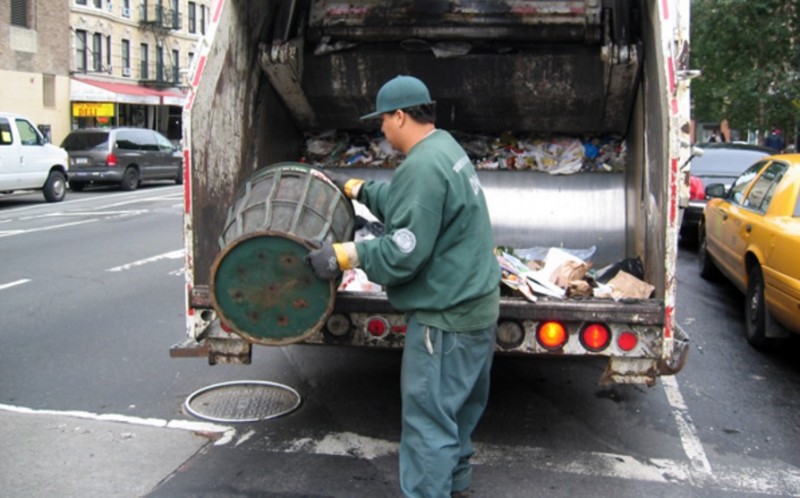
(551,335)
(595,337)
(338,325)
(510,334)
(627,340)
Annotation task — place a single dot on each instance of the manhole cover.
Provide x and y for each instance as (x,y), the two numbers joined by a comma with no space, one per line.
(242,401)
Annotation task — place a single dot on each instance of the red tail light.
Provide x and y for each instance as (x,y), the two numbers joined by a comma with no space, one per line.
(111,160)
(627,341)
(595,337)
(377,326)
(697,191)
(551,335)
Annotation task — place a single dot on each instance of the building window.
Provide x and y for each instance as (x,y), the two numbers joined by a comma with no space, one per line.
(97,52)
(160,63)
(126,57)
(176,16)
(80,2)
(19,13)
(48,90)
(192,17)
(80,51)
(108,52)
(126,8)
(143,56)
(203,19)
(176,66)
(98,4)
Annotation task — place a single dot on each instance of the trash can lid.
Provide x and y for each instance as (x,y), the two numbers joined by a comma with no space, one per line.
(264,290)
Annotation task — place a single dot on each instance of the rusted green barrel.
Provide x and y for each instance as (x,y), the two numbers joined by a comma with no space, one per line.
(260,285)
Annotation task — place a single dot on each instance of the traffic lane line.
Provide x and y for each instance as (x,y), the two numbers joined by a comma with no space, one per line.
(177,254)
(690,441)
(106,214)
(24,231)
(68,202)
(15,283)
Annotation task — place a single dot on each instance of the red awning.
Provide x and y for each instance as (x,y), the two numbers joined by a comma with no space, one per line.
(124,93)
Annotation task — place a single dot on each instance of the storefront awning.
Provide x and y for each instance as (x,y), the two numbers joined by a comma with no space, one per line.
(85,90)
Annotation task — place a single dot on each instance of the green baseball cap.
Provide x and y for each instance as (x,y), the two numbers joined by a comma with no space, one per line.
(401,92)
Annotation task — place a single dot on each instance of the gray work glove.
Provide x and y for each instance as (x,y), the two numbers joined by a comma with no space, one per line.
(323,261)
(339,179)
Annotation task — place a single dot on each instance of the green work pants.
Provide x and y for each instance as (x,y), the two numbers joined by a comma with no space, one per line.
(445,387)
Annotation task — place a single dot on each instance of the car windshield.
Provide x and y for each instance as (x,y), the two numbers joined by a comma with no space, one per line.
(739,186)
(85,141)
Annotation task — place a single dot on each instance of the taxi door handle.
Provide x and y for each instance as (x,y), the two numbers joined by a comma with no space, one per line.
(748,228)
(724,215)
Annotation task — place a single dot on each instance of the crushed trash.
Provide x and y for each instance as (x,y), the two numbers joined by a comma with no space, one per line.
(533,272)
(561,274)
(554,155)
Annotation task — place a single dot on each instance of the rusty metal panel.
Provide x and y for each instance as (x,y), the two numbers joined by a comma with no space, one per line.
(552,90)
(544,20)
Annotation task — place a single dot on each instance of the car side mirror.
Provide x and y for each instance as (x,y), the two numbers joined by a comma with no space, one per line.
(715,190)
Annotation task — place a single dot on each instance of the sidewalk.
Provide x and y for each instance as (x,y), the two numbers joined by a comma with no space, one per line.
(79,454)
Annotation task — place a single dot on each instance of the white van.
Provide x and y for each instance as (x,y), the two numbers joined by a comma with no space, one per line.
(28,162)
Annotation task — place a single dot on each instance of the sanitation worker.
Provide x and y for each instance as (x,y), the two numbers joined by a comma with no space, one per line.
(437,265)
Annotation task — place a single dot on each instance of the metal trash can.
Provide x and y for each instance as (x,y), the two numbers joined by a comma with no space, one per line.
(260,285)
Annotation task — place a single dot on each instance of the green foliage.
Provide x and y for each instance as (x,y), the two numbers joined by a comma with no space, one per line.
(749,53)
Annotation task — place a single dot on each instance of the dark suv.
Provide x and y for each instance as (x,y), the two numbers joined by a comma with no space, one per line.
(125,156)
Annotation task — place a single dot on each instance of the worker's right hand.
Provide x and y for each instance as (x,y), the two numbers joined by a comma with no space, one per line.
(349,186)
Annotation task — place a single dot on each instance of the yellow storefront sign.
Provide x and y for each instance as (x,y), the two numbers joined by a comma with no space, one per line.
(92,109)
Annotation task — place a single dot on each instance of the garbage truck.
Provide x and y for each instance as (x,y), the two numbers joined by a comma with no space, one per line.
(269,76)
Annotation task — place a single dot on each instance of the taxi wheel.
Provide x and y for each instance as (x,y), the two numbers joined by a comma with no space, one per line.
(760,328)
(708,270)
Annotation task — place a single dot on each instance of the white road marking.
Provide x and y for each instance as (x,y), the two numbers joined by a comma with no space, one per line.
(773,478)
(10,233)
(769,477)
(172,194)
(129,212)
(689,439)
(178,254)
(187,425)
(143,199)
(14,284)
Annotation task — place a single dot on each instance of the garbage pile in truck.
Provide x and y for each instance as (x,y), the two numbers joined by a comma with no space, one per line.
(507,151)
(539,271)
(532,273)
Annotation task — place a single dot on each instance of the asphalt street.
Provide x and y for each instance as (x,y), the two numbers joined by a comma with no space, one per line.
(91,403)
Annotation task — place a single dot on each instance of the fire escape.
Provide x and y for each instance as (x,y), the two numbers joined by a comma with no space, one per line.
(160,21)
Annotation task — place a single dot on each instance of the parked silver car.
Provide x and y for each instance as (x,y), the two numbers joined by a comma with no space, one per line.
(125,156)
(714,163)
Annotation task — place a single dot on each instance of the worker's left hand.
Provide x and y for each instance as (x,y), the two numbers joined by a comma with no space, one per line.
(323,262)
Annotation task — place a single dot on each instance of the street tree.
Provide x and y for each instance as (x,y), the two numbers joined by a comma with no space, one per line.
(749,55)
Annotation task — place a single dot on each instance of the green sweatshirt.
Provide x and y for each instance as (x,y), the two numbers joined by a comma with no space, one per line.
(436,259)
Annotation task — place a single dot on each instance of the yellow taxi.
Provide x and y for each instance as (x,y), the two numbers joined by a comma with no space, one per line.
(751,234)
